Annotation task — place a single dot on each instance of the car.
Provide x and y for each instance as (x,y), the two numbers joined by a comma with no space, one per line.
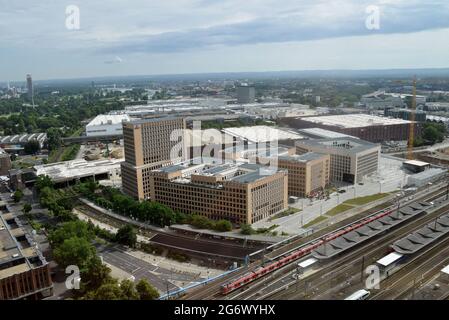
(341,191)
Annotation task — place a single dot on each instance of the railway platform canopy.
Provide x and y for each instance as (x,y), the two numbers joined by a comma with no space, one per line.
(353,238)
(423,237)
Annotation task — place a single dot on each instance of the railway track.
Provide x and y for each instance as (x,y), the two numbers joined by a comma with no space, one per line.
(342,265)
(213,289)
(424,265)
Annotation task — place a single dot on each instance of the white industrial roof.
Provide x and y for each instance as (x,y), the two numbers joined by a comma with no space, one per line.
(355,120)
(77,168)
(262,134)
(389,259)
(105,119)
(416,163)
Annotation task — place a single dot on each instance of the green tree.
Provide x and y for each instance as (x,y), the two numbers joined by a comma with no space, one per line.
(201,222)
(126,235)
(43,181)
(146,291)
(95,275)
(27,208)
(107,291)
(70,229)
(74,251)
(31,147)
(128,290)
(17,196)
(223,225)
(246,229)
(54,138)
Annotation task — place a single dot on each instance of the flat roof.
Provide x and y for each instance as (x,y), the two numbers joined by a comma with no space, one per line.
(323,133)
(262,134)
(351,145)
(355,120)
(108,119)
(309,156)
(62,171)
(417,163)
(389,259)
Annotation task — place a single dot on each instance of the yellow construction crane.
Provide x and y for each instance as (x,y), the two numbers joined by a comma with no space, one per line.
(411,135)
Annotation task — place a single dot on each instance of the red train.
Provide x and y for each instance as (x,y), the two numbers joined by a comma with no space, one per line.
(262,271)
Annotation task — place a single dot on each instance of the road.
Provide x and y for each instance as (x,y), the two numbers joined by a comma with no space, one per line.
(140,269)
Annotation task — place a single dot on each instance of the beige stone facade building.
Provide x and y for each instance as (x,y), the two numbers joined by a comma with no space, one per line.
(149,145)
(243,193)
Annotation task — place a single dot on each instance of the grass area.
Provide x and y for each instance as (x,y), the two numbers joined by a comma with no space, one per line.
(63,153)
(285,213)
(339,209)
(367,199)
(70,152)
(315,221)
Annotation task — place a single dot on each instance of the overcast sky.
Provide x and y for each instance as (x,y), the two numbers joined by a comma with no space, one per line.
(132,37)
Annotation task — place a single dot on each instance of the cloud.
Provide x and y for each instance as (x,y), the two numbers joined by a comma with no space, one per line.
(117,59)
(323,20)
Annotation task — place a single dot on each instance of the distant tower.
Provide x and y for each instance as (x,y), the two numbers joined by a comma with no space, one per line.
(30,88)
(246,94)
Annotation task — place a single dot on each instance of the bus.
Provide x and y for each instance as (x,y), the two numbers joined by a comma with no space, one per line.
(359,295)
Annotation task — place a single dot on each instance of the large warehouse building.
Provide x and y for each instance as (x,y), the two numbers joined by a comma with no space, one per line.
(367,127)
(350,159)
(106,125)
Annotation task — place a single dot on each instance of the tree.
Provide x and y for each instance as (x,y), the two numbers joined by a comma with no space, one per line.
(128,290)
(433,132)
(107,291)
(246,229)
(31,147)
(96,274)
(54,138)
(43,181)
(70,229)
(201,222)
(74,251)
(223,225)
(27,208)
(126,235)
(146,291)
(17,196)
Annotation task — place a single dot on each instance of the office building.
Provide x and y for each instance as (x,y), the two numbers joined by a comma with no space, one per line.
(240,193)
(30,88)
(350,159)
(246,94)
(5,163)
(148,145)
(307,173)
(24,272)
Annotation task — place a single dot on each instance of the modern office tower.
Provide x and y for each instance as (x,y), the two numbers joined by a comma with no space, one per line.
(246,94)
(238,193)
(30,89)
(350,159)
(150,144)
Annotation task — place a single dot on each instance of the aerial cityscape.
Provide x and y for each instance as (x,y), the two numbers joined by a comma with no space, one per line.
(224,151)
